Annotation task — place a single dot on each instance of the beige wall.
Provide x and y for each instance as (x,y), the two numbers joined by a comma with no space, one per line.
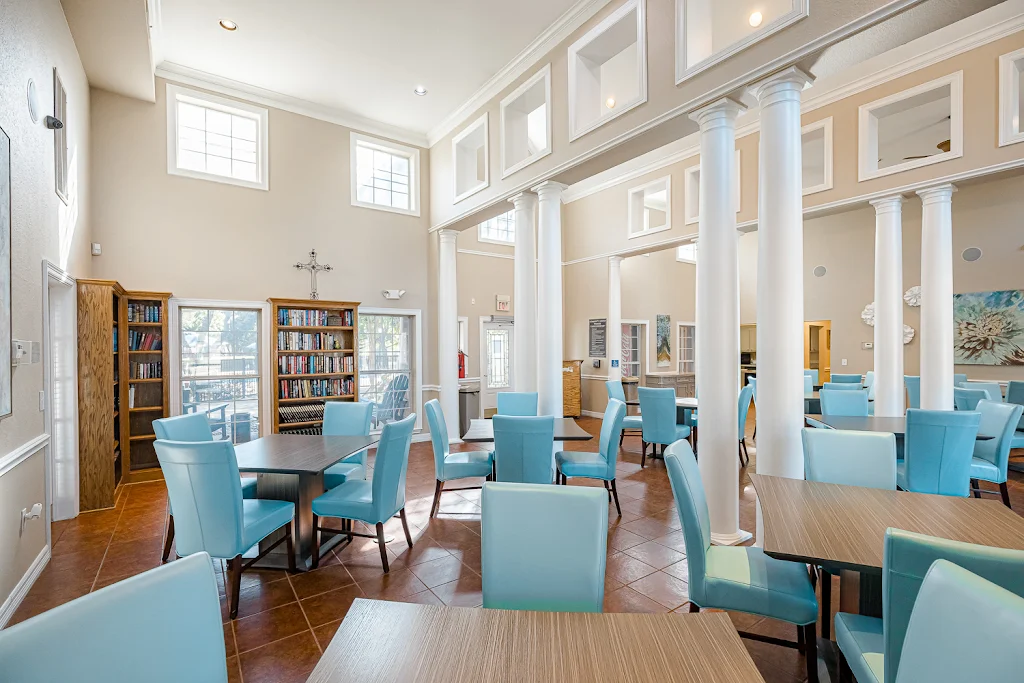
(34,38)
(480,280)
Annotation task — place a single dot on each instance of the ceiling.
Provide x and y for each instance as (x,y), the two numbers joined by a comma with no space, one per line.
(356,57)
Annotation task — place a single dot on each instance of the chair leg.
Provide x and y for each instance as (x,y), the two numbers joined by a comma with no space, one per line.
(694,608)
(170,537)
(643,453)
(1005,493)
(289,545)
(622,435)
(316,542)
(234,584)
(383,547)
(811,652)
(608,489)
(437,497)
(800,645)
(405,525)
(615,495)
(826,605)
(845,673)
(746,454)
(974,488)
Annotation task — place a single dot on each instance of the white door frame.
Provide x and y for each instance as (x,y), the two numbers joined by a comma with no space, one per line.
(483,362)
(66,502)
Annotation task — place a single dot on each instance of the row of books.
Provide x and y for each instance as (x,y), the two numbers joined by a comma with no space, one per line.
(314,317)
(316,388)
(308,431)
(144,341)
(115,338)
(304,365)
(305,341)
(144,313)
(145,370)
(302,412)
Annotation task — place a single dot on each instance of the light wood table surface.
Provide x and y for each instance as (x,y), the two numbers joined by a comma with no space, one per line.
(393,641)
(566,429)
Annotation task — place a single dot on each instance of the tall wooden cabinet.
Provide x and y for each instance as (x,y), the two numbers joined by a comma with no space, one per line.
(145,367)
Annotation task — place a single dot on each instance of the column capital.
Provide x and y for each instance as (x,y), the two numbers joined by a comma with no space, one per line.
(615,261)
(938,193)
(448,235)
(523,199)
(784,85)
(549,189)
(887,204)
(720,112)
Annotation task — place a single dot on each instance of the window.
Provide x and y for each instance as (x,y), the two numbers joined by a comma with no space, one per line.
(500,229)
(1011,76)
(471,159)
(386,365)
(526,123)
(630,362)
(220,370)
(499,360)
(687,349)
(60,138)
(385,175)
(214,138)
(650,207)
(687,253)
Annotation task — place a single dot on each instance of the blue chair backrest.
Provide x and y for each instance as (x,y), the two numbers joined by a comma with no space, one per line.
(438,435)
(846,379)
(347,418)
(188,427)
(841,386)
(658,415)
(692,507)
(611,428)
(837,456)
(998,420)
(846,403)
(390,466)
(1015,394)
(206,495)
(813,374)
(959,377)
(184,643)
(524,449)
(968,399)
(520,403)
(907,558)
(869,384)
(752,381)
(746,394)
(913,385)
(938,448)
(543,548)
(808,384)
(615,390)
(993,389)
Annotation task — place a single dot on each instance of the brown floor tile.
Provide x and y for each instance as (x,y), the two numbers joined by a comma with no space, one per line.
(286,661)
(395,585)
(442,570)
(331,606)
(626,569)
(268,626)
(326,632)
(321,580)
(234,673)
(263,596)
(626,599)
(229,640)
(673,540)
(620,539)
(654,554)
(680,570)
(664,589)
(466,592)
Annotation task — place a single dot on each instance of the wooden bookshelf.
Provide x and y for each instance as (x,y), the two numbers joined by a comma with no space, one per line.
(299,372)
(147,392)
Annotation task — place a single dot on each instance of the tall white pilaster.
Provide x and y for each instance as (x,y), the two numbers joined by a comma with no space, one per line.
(613,326)
(448,333)
(937,297)
(718,318)
(549,298)
(524,350)
(889,388)
(780,277)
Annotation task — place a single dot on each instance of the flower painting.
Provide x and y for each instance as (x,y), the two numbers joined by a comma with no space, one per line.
(988,328)
(664,335)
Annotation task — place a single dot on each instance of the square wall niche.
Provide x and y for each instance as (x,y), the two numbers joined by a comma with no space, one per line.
(471,159)
(709,31)
(911,129)
(526,123)
(1011,98)
(608,70)
(650,207)
(816,143)
(691,192)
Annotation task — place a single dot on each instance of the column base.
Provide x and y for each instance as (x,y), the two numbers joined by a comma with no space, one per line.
(731,539)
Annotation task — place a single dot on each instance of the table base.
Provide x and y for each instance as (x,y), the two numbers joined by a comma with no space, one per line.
(300,489)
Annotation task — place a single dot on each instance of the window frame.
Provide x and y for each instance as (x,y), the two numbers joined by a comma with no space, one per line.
(645,230)
(691,196)
(1009,98)
(827,183)
(679,339)
(643,337)
(681,259)
(393,148)
(481,122)
(60,138)
(545,75)
(226,105)
(491,240)
(416,373)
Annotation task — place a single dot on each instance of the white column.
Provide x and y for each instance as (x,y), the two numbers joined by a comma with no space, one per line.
(549,298)
(613,326)
(780,277)
(889,387)
(524,350)
(718,319)
(937,298)
(448,333)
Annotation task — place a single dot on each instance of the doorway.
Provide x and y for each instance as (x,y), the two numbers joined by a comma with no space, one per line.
(496,341)
(60,383)
(818,348)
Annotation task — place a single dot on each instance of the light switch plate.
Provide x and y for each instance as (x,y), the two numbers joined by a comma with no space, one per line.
(844,362)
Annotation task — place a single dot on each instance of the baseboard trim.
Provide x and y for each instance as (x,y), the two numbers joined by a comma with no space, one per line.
(731,539)
(13,600)
(591,413)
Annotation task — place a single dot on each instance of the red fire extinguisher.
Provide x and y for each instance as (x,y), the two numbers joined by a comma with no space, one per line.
(462,365)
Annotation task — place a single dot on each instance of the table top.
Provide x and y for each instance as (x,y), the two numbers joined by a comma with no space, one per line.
(681,402)
(393,641)
(812,522)
(892,425)
(566,429)
(297,453)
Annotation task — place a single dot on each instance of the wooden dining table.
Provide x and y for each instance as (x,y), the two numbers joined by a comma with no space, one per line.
(392,641)
(291,467)
(566,429)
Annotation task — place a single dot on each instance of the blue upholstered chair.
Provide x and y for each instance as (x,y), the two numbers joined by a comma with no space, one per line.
(658,410)
(1015,394)
(746,395)
(959,377)
(850,458)
(841,386)
(600,465)
(814,376)
(968,399)
(520,403)
(449,466)
(938,447)
(346,418)
(913,385)
(631,422)
(847,379)
(737,578)
(523,449)
(210,514)
(846,403)
(873,647)
(371,502)
(543,548)
(992,456)
(161,626)
(993,389)
(808,383)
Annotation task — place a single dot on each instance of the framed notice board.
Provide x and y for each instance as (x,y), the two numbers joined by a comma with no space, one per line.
(598,338)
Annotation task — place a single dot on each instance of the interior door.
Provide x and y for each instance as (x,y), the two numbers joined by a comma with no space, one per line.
(496,364)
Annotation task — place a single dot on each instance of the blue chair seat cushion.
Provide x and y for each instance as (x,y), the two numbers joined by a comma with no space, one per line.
(682,432)
(1018,439)
(632,422)
(248,487)
(467,464)
(351,500)
(578,464)
(862,642)
(744,579)
(338,473)
(260,518)
(983,469)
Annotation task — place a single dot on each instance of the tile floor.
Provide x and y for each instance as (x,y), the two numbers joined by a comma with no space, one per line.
(286,621)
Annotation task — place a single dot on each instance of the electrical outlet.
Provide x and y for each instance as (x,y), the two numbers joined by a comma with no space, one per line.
(472,302)
(844,362)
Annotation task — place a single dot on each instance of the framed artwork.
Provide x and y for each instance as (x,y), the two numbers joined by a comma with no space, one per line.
(664,341)
(988,328)
(5,275)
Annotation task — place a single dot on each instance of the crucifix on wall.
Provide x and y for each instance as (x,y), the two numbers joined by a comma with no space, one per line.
(313,267)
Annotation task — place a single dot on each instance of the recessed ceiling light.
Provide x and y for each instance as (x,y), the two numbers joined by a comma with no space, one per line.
(420,90)
(228,25)
(755,19)
(610,103)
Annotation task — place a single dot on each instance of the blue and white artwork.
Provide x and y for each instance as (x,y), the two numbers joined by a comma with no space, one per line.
(988,328)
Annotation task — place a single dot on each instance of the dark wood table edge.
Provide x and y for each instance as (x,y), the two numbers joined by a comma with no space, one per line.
(374,440)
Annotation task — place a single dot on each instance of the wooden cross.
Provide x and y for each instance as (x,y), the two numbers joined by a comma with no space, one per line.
(313,267)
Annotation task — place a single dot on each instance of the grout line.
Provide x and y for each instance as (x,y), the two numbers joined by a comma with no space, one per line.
(120,514)
(303,610)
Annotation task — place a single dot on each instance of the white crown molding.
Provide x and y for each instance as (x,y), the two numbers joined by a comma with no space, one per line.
(476,252)
(562,28)
(269,98)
